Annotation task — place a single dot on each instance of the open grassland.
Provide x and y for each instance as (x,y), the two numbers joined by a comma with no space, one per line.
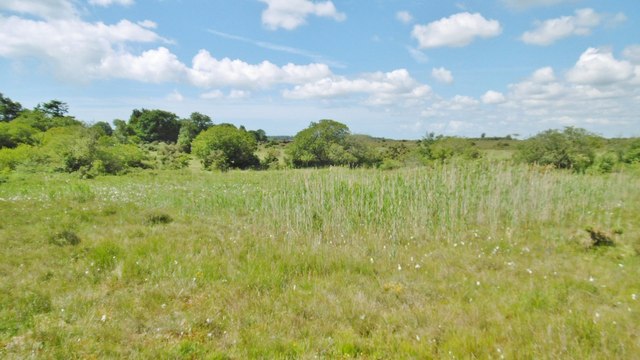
(462,260)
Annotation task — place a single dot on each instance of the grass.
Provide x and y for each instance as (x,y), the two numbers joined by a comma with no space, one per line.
(462,260)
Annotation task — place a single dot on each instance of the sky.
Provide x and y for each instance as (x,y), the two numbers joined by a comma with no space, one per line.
(387,68)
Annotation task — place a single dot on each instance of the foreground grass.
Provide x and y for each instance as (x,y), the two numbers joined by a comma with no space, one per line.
(483,260)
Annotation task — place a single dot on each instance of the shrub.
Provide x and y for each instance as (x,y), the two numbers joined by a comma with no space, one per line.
(446,147)
(65,237)
(225,146)
(572,148)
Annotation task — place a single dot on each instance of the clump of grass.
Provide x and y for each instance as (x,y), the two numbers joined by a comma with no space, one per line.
(157,218)
(599,238)
(65,237)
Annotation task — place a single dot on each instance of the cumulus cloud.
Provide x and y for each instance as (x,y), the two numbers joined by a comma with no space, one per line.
(106,3)
(50,9)
(290,14)
(493,97)
(442,75)
(382,88)
(455,31)
(207,71)
(74,48)
(599,67)
(418,55)
(154,66)
(404,17)
(552,30)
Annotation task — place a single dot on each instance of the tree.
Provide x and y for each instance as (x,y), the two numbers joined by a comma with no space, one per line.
(103,128)
(260,135)
(9,109)
(53,108)
(225,146)
(43,122)
(311,146)
(190,128)
(572,148)
(155,125)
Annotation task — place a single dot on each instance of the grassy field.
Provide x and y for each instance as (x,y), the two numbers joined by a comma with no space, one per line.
(462,260)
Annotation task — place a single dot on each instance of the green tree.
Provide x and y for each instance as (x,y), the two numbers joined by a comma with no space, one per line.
(102,128)
(43,122)
(53,108)
(190,128)
(573,148)
(225,146)
(260,135)
(9,109)
(13,134)
(155,125)
(312,147)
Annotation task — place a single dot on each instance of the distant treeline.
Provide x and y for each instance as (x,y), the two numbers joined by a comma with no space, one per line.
(46,138)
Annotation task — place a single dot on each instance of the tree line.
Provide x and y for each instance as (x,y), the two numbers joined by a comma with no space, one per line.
(46,138)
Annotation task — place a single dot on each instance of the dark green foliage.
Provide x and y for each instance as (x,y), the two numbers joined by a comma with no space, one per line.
(65,237)
(155,125)
(599,238)
(157,218)
(260,135)
(225,146)
(9,109)
(446,147)
(53,108)
(572,148)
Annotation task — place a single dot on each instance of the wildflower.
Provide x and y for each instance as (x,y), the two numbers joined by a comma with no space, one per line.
(634,297)
(530,271)
(103,318)
(399,267)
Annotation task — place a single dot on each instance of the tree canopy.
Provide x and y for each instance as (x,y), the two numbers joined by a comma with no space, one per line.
(9,109)
(225,146)
(155,125)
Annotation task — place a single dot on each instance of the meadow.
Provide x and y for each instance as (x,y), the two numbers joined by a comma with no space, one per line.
(482,259)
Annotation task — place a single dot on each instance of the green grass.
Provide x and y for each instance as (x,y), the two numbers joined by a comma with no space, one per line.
(464,260)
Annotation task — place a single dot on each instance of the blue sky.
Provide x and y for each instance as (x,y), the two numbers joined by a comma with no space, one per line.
(391,68)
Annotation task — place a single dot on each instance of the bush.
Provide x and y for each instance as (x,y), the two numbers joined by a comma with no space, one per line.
(446,147)
(224,146)
(572,149)
(632,155)
(329,143)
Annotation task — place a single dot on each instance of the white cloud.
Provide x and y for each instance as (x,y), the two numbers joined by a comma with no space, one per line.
(418,55)
(175,96)
(404,17)
(75,49)
(106,3)
(239,94)
(442,75)
(147,24)
(290,14)
(523,4)
(208,71)
(50,9)
(154,66)
(457,30)
(382,88)
(599,67)
(632,53)
(550,31)
(493,97)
